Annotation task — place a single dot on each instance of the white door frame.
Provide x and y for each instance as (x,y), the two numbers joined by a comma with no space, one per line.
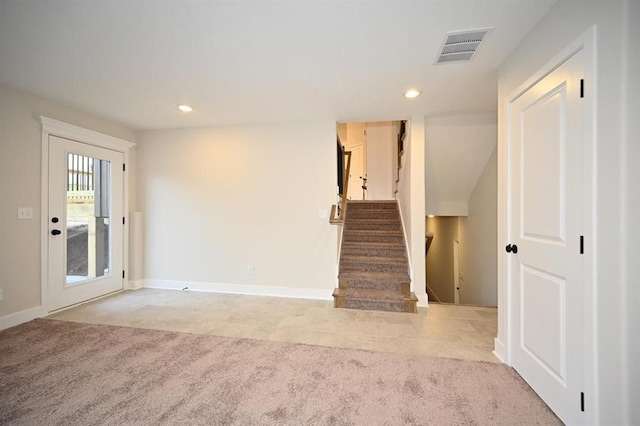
(456,271)
(505,342)
(52,127)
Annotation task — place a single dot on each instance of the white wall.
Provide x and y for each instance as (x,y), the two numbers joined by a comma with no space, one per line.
(631,203)
(219,199)
(568,19)
(478,239)
(341,130)
(458,147)
(20,186)
(411,199)
(380,139)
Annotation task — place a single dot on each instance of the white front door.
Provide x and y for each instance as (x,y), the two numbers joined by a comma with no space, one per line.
(547,201)
(85,222)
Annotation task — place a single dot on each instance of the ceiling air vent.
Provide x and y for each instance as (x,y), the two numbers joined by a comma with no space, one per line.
(460,46)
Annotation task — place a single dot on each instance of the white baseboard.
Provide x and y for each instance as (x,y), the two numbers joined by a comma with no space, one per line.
(134,285)
(423,300)
(500,351)
(252,290)
(21,317)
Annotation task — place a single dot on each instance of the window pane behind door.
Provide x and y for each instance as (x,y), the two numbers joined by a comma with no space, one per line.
(88,221)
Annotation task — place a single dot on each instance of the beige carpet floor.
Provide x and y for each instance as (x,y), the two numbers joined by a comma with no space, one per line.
(63,373)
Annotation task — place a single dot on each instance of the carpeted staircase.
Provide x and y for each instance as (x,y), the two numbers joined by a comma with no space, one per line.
(374,271)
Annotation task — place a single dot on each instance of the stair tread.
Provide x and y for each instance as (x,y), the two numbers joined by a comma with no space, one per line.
(363,204)
(377,244)
(375,220)
(374,231)
(372,213)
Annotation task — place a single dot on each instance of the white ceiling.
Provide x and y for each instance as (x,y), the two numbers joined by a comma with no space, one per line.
(250,61)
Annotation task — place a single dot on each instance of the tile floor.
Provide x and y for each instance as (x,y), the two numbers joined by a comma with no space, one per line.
(440,330)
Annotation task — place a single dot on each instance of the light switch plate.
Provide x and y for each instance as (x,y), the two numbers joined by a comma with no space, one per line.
(25,213)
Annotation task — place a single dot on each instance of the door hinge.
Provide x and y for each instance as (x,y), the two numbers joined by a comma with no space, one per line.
(581,244)
(124,167)
(582,401)
(365,132)
(582,87)
(123,273)
(123,220)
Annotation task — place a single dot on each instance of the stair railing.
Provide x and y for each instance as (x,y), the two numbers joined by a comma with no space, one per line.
(338,212)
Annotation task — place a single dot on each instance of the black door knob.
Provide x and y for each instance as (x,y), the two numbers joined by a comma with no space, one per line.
(56,232)
(511,248)
(54,219)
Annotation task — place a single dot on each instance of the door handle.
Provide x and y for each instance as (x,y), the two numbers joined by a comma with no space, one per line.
(56,232)
(511,248)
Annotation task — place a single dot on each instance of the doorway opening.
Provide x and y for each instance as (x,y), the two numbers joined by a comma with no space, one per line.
(375,151)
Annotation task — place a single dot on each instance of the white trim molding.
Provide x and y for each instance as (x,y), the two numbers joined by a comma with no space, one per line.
(18,318)
(500,351)
(134,285)
(245,289)
(80,134)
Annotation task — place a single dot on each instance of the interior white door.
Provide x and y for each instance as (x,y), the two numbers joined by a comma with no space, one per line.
(380,139)
(546,149)
(357,144)
(357,174)
(85,250)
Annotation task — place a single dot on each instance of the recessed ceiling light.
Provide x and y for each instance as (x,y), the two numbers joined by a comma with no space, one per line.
(185,108)
(431,215)
(411,93)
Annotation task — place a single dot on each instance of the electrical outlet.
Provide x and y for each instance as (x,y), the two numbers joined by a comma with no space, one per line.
(25,213)
(250,269)
(323,214)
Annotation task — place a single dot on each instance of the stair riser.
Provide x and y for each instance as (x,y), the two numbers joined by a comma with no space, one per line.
(372,305)
(368,226)
(398,253)
(368,285)
(403,287)
(385,260)
(370,206)
(372,238)
(353,279)
(377,214)
(374,267)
